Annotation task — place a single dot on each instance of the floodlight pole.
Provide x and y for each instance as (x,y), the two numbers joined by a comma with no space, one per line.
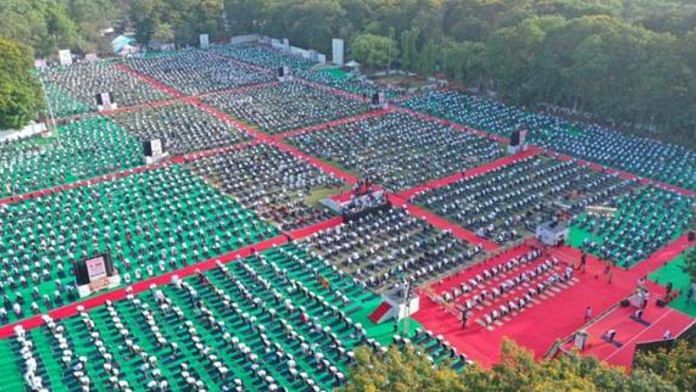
(407,295)
(50,111)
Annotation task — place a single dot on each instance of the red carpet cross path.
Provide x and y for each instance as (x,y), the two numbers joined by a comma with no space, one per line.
(408,194)
(539,326)
(255,133)
(166,278)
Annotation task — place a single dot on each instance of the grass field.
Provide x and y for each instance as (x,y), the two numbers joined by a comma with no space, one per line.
(674,272)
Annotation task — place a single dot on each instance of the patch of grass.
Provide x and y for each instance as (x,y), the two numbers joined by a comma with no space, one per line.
(674,272)
(318,194)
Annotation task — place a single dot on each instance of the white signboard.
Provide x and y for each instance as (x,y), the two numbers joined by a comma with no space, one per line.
(204,39)
(104,102)
(96,268)
(321,58)
(241,39)
(156,145)
(65,57)
(338,47)
(40,63)
(106,99)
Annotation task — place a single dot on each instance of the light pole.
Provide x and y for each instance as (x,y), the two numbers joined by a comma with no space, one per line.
(50,110)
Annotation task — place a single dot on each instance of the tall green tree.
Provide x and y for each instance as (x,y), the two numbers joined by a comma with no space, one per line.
(144,14)
(409,49)
(676,366)
(510,54)
(409,369)
(307,23)
(43,25)
(400,370)
(427,59)
(243,16)
(464,62)
(20,94)
(373,50)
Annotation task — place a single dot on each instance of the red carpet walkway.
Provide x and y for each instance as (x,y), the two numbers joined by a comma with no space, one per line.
(442,223)
(318,163)
(626,175)
(330,124)
(152,81)
(342,93)
(239,89)
(629,332)
(230,120)
(473,172)
(137,287)
(81,183)
(178,159)
(213,151)
(261,136)
(538,327)
(455,125)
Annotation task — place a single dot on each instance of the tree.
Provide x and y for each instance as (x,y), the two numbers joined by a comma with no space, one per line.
(20,94)
(676,366)
(243,16)
(519,371)
(144,15)
(409,369)
(463,61)
(509,57)
(90,17)
(373,50)
(164,33)
(307,23)
(427,60)
(43,25)
(400,370)
(690,264)
(409,51)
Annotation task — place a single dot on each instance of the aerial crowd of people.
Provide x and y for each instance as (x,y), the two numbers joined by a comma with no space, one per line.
(289,318)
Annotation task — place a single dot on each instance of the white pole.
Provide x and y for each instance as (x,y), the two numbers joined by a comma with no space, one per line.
(50,111)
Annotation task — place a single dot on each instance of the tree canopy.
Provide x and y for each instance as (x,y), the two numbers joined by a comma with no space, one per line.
(408,369)
(690,264)
(676,366)
(49,25)
(374,50)
(20,93)
(631,63)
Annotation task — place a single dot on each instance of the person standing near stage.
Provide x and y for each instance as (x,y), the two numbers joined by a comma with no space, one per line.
(588,314)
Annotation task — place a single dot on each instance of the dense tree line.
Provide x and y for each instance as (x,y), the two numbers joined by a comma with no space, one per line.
(408,370)
(20,92)
(631,63)
(48,25)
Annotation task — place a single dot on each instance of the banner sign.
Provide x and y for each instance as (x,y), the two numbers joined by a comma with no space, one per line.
(204,40)
(337,52)
(96,268)
(65,57)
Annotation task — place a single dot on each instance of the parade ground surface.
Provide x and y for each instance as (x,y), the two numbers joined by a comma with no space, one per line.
(267,284)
